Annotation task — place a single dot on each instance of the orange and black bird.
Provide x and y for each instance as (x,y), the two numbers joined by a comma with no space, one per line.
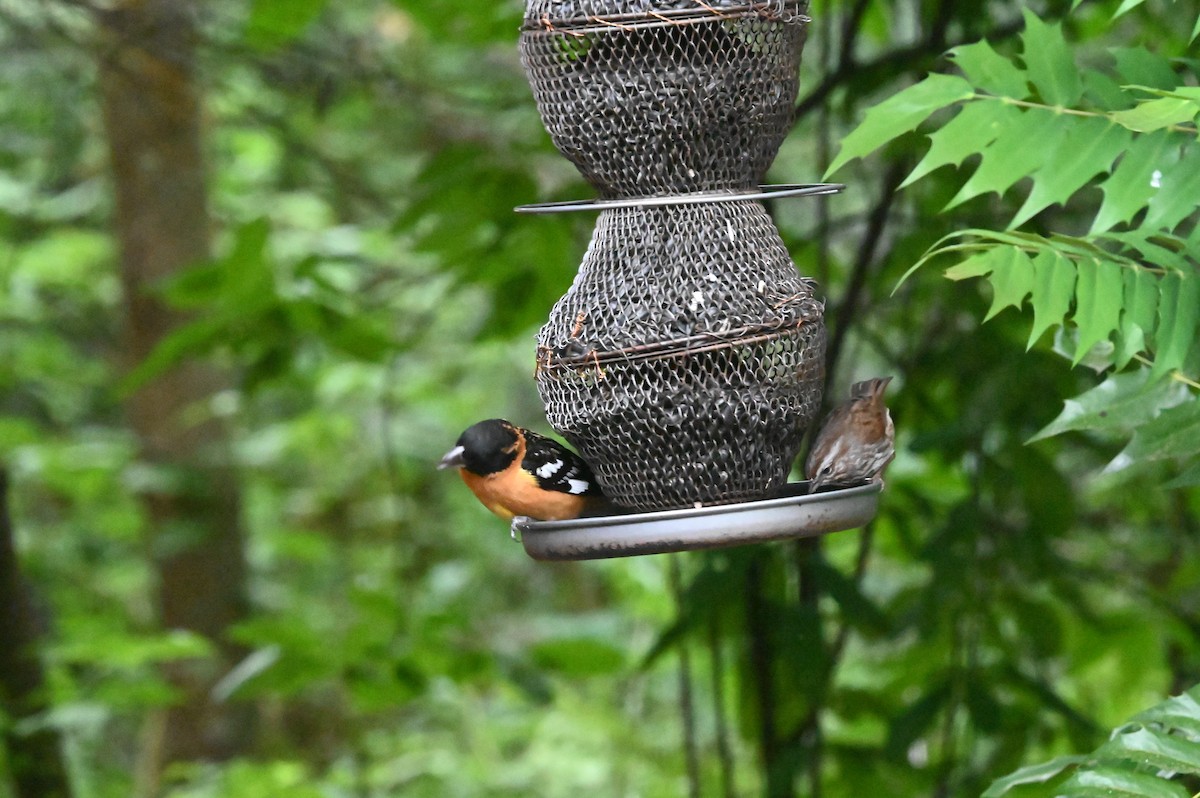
(856,442)
(515,471)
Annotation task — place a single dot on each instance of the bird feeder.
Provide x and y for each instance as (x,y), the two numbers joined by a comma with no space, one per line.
(686,361)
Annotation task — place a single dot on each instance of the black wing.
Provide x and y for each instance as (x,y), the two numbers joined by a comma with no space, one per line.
(557,468)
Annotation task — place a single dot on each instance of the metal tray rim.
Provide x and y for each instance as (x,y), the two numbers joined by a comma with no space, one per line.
(796,514)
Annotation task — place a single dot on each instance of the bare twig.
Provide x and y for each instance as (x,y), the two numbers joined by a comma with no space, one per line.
(724,751)
(687,709)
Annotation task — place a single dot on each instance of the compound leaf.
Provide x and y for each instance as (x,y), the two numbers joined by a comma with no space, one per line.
(990,71)
(899,114)
(1011,156)
(1098,293)
(1090,148)
(1049,62)
(1178,320)
(1012,279)
(1133,182)
(973,128)
(1053,290)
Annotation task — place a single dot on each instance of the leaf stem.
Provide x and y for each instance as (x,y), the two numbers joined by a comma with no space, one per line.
(1176,375)
(1059,109)
(1179,376)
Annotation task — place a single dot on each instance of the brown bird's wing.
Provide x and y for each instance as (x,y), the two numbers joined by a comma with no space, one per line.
(833,426)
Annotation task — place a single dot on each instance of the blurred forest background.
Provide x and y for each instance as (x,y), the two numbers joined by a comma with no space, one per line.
(259,269)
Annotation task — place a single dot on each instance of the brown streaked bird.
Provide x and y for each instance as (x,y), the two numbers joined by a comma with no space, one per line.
(856,441)
(514,471)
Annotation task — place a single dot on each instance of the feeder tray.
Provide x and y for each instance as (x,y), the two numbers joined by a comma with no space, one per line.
(794,513)
(663,98)
(686,360)
(763,192)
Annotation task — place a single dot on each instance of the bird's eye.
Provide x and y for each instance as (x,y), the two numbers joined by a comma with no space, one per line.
(827,470)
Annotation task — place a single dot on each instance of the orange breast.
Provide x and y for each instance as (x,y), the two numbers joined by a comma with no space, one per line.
(515,492)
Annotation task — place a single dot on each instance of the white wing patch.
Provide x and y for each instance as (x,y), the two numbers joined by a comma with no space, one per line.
(550,469)
(578,485)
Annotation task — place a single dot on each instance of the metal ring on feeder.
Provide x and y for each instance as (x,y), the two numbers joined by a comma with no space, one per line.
(764,192)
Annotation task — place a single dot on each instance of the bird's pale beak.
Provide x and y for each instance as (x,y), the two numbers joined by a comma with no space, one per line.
(453,459)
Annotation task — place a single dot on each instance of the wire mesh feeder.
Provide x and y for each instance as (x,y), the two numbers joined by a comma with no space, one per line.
(686,360)
(656,98)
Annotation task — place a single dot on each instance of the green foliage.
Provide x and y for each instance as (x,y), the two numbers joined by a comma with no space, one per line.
(273,23)
(1150,756)
(1128,290)
(371,293)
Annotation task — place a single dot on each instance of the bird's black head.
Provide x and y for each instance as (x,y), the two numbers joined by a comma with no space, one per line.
(484,448)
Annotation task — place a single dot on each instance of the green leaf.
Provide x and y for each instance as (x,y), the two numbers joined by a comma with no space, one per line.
(1089,148)
(988,70)
(273,23)
(1132,183)
(1140,67)
(579,656)
(977,265)
(1191,93)
(974,127)
(1010,157)
(1190,478)
(899,114)
(1178,319)
(1101,90)
(1174,433)
(1053,290)
(1012,279)
(1116,782)
(1156,114)
(1178,195)
(1138,312)
(1127,5)
(1049,62)
(1033,774)
(1098,294)
(1153,248)
(1155,749)
(1121,402)
(1179,713)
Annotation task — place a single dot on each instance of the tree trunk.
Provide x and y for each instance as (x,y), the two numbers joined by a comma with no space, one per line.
(152,117)
(35,759)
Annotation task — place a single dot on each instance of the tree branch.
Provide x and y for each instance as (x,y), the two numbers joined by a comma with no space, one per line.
(687,709)
(34,759)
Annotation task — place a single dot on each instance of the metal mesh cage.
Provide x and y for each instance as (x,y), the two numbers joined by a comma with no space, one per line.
(658,98)
(686,360)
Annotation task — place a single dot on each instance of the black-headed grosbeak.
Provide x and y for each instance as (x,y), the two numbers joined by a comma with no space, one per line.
(515,471)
